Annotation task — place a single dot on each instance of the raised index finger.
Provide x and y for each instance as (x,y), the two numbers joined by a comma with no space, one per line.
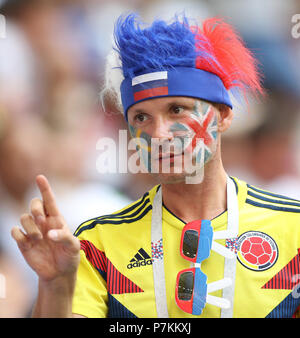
(47,195)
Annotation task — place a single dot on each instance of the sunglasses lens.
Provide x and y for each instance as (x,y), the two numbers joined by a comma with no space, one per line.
(186,286)
(190,243)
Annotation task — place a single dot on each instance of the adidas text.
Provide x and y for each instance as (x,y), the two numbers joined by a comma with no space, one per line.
(139,263)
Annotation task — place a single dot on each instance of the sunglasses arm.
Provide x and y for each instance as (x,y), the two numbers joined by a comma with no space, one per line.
(222,250)
(218,301)
(215,286)
(218,285)
(223,234)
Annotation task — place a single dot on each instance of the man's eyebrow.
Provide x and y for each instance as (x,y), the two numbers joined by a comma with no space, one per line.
(189,103)
(138,111)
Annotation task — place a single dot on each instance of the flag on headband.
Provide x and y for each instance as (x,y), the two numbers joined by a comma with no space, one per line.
(177,58)
(150,85)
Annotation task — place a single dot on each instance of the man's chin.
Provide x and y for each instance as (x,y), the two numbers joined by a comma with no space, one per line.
(173,178)
(174,173)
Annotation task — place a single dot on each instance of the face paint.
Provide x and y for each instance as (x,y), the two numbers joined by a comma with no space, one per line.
(143,145)
(201,124)
(181,133)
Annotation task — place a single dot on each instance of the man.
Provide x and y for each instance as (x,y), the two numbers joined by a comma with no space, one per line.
(243,242)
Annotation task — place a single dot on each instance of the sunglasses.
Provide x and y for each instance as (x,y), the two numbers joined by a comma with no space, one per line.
(191,292)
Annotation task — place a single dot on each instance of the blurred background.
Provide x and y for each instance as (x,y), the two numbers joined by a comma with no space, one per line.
(51,72)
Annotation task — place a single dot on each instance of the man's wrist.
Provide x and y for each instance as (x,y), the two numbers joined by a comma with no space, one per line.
(62,285)
(55,297)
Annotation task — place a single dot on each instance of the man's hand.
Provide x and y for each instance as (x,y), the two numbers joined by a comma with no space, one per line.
(45,241)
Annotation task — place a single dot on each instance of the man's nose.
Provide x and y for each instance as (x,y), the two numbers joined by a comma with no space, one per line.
(161,129)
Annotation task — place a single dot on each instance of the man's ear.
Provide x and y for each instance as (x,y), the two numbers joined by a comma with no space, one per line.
(225,117)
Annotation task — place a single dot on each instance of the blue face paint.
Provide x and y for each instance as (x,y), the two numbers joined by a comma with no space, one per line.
(201,124)
(143,145)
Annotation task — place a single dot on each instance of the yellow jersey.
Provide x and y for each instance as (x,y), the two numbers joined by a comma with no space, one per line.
(115,276)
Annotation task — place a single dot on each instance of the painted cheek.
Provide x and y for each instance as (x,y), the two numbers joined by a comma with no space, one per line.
(141,138)
(181,136)
(143,145)
(132,130)
(204,126)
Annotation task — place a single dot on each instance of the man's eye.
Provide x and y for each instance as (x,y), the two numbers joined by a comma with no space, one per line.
(177,110)
(140,118)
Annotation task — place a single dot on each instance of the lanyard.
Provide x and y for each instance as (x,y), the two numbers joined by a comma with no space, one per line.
(230,260)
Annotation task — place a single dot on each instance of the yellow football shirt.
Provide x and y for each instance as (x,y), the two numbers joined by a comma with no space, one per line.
(115,276)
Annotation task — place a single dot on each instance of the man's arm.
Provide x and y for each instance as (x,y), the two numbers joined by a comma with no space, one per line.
(55,299)
(52,251)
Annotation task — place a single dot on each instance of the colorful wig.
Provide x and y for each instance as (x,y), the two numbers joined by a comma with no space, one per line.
(180,59)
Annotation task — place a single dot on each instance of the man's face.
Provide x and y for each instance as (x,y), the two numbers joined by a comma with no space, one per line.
(175,136)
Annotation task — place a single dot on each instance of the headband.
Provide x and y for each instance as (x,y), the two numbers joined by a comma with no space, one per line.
(179,81)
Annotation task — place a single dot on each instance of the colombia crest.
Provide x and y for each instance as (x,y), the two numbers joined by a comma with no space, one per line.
(256,250)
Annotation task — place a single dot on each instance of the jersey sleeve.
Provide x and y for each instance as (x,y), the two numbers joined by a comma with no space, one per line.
(90,298)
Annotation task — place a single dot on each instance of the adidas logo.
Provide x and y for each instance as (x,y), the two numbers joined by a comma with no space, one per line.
(141,258)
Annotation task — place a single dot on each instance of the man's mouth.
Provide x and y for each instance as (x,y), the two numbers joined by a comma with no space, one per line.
(169,156)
